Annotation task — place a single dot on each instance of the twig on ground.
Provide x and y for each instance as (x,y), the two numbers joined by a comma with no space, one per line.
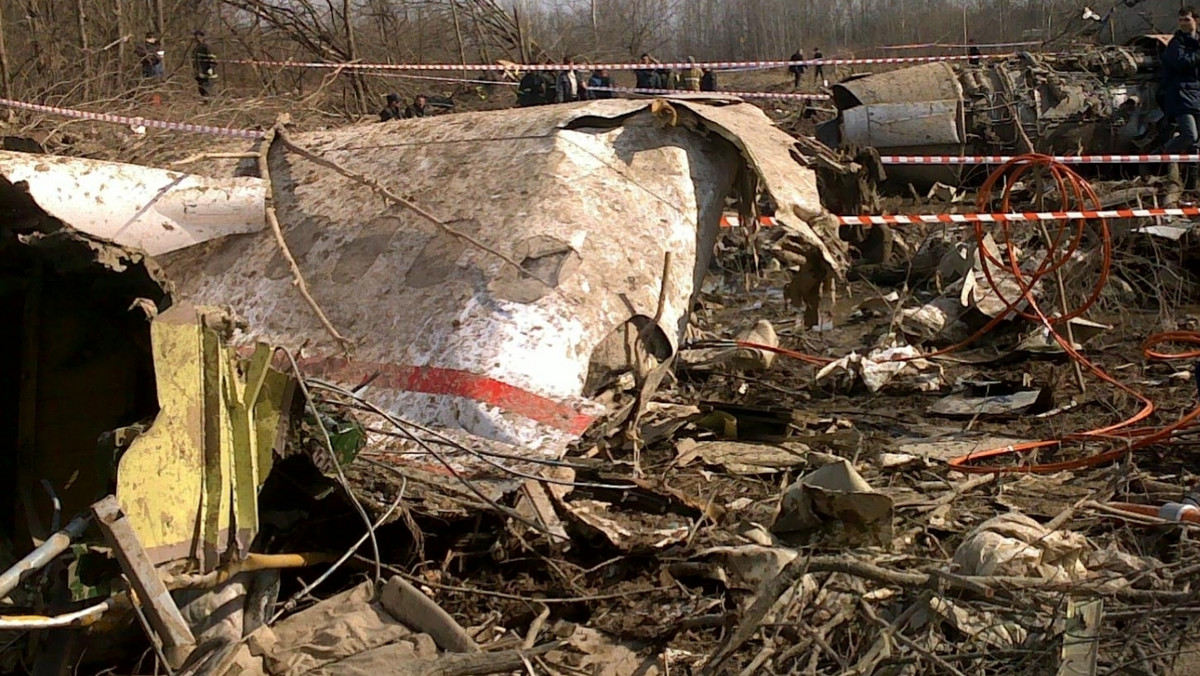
(199,157)
(770,592)
(535,628)
(760,659)
(517,597)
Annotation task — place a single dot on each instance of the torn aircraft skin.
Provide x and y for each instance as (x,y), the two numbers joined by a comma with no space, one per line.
(144,208)
(1093,100)
(590,198)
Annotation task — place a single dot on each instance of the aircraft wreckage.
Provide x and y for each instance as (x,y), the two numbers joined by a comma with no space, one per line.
(536,256)
(1092,100)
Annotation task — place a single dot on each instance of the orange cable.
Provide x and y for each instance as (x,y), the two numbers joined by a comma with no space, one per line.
(1073,190)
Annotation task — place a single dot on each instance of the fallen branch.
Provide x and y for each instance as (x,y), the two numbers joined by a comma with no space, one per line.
(273,220)
(482,664)
(214,156)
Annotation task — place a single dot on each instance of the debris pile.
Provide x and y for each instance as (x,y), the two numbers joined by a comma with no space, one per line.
(483,442)
(1085,100)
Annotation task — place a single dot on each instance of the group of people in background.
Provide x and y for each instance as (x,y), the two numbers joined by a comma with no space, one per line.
(394,108)
(151,59)
(570,83)
(797,69)
(691,79)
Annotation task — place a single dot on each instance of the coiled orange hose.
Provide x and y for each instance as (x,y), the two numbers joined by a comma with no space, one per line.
(1075,194)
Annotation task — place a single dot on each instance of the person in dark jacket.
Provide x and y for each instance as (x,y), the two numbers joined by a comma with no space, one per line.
(650,77)
(204,63)
(150,56)
(532,90)
(1181,83)
(550,83)
(974,56)
(391,109)
(571,84)
(419,108)
(819,68)
(599,84)
(708,83)
(796,70)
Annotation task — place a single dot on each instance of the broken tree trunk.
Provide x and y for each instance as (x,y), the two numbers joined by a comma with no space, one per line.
(84,48)
(462,51)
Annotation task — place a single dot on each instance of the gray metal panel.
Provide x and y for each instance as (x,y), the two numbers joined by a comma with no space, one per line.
(885,125)
(931,82)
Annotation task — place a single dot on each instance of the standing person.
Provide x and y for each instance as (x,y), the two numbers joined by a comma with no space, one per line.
(599,85)
(818,67)
(568,83)
(150,56)
(204,63)
(974,56)
(796,69)
(1181,86)
(532,90)
(391,109)
(550,83)
(419,108)
(647,76)
(692,76)
(708,83)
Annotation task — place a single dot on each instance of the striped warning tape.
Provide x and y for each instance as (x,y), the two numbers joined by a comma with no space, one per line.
(730,221)
(933,45)
(744,95)
(899,219)
(434,78)
(1064,159)
(133,121)
(716,65)
(726,221)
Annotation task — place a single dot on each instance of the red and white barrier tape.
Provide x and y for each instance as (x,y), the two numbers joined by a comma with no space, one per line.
(463,80)
(910,219)
(943,45)
(729,221)
(133,121)
(1064,159)
(744,95)
(609,66)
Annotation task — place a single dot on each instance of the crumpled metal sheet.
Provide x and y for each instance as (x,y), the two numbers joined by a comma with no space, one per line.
(592,195)
(774,157)
(140,207)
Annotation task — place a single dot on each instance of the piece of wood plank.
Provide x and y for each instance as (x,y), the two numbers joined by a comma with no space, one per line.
(152,594)
(1081,645)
